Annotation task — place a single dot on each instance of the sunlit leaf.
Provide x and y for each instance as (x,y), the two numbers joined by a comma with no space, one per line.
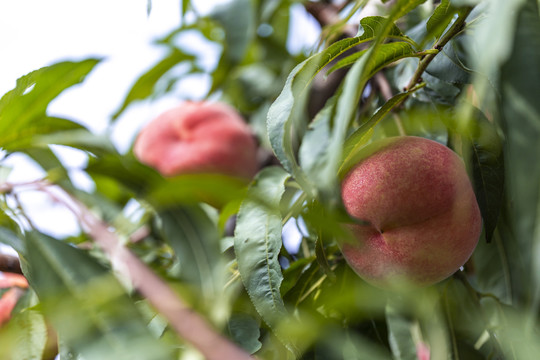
(387,54)
(144,87)
(78,138)
(24,109)
(30,336)
(440,19)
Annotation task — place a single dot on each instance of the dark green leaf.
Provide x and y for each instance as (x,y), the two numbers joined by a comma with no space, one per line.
(488,173)
(257,243)
(86,305)
(520,86)
(496,264)
(194,239)
(449,65)
(245,331)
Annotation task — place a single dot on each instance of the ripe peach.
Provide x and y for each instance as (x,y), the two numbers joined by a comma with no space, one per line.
(198,137)
(420,221)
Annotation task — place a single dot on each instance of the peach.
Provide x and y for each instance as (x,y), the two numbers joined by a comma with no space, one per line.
(198,137)
(419,218)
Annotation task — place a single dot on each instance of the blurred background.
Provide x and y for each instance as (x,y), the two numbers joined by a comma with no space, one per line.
(34,34)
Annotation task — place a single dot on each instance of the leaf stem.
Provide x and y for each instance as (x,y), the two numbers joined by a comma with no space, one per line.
(455,29)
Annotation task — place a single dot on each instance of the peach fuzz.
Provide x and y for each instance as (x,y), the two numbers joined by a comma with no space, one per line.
(420,220)
(198,137)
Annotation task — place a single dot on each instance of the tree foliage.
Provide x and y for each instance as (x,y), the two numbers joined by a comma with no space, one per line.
(463,72)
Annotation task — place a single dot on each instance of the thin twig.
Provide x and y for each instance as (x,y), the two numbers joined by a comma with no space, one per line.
(189,325)
(386,91)
(455,29)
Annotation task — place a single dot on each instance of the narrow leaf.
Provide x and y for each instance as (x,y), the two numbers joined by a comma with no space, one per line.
(488,173)
(194,238)
(439,20)
(388,53)
(257,243)
(145,85)
(237,19)
(289,104)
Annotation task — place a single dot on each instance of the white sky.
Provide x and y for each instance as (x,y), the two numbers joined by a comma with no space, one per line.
(37,33)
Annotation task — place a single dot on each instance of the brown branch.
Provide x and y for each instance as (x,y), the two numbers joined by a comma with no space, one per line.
(386,90)
(455,29)
(189,325)
(10,263)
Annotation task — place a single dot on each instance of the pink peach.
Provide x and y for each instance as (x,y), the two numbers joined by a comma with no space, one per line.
(420,220)
(198,137)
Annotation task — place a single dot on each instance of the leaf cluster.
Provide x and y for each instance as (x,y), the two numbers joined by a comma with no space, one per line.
(260,262)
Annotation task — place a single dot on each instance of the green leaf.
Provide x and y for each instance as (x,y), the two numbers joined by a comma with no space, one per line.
(403,7)
(315,142)
(8,237)
(440,19)
(400,330)
(194,239)
(449,65)
(56,172)
(388,53)
(87,306)
(488,173)
(126,171)
(496,264)
(257,243)
(520,86)
(23,109)
(289,105)
(245,331)
(29,136)
(350,93)
(30,336)
(79,138)
(237,19)
(144,87)
(214,189)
